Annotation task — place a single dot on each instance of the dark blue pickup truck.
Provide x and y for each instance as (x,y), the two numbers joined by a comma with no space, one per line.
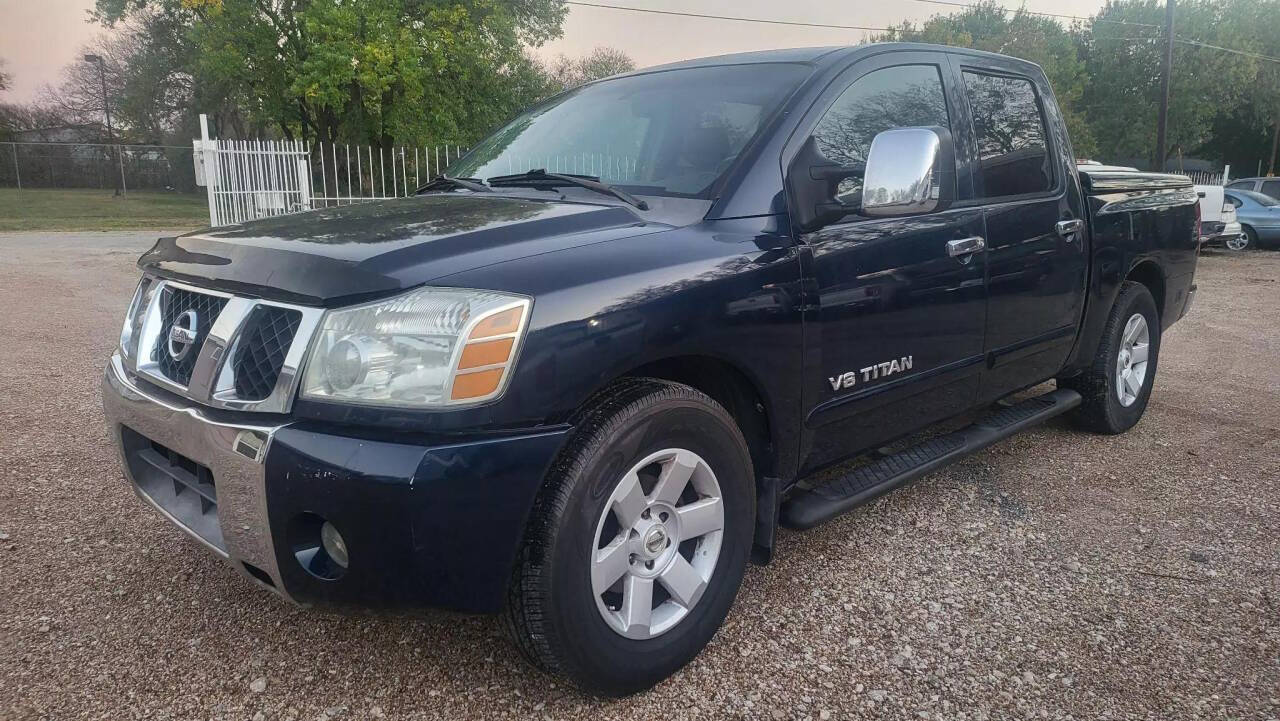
(580,379)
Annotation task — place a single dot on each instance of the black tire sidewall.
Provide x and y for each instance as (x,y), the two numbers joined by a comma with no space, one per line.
(594,652)
(1252,235)
(1135,299)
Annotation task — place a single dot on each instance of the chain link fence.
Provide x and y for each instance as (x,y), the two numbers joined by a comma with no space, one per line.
(97,166)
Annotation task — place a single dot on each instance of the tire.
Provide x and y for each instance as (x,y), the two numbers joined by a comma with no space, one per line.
(554,615)
(1103,410)
(1252,236)
(1247,240)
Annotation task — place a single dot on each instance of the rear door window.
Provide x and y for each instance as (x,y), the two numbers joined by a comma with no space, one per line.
(1013,149)
(1272,188)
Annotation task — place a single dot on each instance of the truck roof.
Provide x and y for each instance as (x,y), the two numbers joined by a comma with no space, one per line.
(820,56)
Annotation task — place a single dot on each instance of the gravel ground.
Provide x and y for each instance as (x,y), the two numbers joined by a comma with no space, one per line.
(1056,575)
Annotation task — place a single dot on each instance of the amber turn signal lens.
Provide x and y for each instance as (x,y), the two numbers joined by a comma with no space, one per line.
(508,321)
(486,353)
(477,384)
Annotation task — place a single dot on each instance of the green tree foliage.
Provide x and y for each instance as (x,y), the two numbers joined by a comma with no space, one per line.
(1124,61)
(377,71)
(991,27)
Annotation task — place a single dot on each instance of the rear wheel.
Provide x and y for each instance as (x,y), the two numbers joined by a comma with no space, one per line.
(1117,386)
(638,541)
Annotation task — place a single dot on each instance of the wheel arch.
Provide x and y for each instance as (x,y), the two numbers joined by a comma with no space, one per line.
(1148,273)
(744,398)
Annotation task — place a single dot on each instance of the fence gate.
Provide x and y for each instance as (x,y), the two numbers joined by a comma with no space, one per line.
(249,179)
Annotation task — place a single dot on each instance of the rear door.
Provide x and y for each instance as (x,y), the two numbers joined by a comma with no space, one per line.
(894,339)
(1036,259)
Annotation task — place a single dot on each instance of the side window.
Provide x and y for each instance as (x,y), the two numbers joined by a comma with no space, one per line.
(1242,184)
(899,97)
(1272,188)
(1013,155)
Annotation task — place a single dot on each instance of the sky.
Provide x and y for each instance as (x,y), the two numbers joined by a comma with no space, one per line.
(39,37)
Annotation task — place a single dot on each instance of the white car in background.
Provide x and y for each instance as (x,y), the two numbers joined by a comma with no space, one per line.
(1218,222)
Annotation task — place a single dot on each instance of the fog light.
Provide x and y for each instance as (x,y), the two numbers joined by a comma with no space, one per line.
(333,544)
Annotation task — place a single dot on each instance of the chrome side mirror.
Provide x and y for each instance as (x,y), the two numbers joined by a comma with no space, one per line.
(909,171)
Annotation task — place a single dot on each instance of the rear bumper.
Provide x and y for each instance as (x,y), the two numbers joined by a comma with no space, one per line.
(425,523)
(1219,232)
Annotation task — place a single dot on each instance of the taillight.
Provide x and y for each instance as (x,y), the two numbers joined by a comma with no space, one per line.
(1197,227)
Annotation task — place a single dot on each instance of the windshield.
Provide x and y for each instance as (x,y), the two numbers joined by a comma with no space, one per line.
(670,133)
(1257,197)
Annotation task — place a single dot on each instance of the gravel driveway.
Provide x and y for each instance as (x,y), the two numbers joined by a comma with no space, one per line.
(1056,575)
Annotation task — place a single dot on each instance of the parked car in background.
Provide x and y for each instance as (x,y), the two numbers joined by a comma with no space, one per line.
(1218,224)
(1259,216)
(1266,186)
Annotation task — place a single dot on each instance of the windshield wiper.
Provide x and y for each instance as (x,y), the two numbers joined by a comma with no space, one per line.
(542,177)
(445,181)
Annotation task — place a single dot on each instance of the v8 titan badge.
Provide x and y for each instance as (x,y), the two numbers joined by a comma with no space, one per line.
(849,379)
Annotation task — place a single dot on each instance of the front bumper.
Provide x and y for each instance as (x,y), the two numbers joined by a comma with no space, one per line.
(426,523)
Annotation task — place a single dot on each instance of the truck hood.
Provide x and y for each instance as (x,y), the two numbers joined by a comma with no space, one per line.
(355,252)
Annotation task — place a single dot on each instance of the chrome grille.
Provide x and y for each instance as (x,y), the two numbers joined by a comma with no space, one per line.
(174,302)
(244,354)
(260,353)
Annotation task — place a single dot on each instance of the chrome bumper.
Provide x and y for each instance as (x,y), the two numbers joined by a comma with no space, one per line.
(234,453)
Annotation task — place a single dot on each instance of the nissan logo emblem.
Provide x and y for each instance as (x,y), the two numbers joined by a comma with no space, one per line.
(182,334)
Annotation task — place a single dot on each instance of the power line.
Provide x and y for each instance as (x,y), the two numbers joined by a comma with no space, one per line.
(1257,56)
(949,3)
(723,17)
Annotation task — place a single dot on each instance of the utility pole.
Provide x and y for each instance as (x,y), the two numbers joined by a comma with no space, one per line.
(1163,120)
(106,109)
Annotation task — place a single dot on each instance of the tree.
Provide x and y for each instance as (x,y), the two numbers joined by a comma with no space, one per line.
(378,71)
(1123,63)
(1042,40)
(565,72)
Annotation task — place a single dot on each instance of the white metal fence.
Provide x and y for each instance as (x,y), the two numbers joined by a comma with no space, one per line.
(251,179)
(1205,177)
(346,174)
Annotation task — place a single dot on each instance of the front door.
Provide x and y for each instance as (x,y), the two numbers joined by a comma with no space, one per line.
(1036,255)
(895,340)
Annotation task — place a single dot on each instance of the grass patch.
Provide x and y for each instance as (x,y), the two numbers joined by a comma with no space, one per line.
(40,209)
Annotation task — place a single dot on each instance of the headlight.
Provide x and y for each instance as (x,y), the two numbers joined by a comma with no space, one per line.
(133,318)
(432,347)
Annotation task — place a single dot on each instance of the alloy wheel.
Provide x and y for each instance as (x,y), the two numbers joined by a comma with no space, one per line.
(1131,363)
(657,543)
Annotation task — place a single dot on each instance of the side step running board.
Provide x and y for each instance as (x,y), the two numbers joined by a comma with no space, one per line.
(808,508)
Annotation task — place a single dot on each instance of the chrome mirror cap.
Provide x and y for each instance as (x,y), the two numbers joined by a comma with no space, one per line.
(909,171)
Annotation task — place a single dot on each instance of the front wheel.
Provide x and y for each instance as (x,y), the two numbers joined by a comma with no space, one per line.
(638,541)
(1117,386)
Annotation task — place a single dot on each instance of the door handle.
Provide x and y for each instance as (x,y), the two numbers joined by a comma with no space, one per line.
(1068,228)
(965,247)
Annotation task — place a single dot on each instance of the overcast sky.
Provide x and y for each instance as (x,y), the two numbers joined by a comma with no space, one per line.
(39,37)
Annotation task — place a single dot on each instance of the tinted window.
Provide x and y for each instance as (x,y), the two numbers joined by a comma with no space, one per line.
(1013,157)
(900,97)
(1259,198)
(1271,187)
(1242,184)
(666,133)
